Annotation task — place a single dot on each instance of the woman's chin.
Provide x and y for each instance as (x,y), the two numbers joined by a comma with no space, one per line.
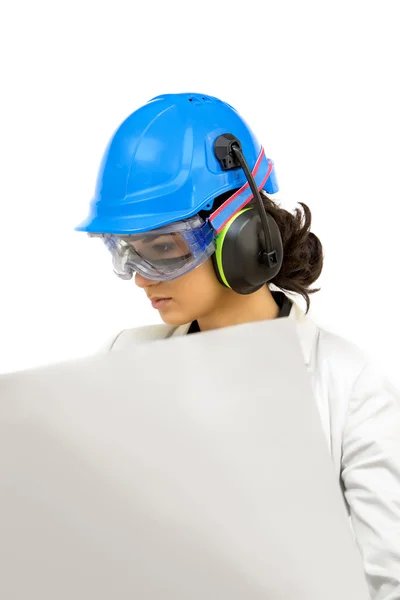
(173,317)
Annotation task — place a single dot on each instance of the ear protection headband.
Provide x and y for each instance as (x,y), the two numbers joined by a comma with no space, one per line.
(249,250)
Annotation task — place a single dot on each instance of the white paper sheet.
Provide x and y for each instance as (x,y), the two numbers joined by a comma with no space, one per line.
(190,468)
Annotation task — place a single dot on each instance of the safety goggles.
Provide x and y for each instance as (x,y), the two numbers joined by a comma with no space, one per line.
(162,254)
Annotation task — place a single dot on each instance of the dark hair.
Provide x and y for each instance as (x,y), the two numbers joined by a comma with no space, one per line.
(302,250)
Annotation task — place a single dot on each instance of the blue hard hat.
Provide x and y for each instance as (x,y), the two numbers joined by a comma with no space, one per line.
(159,166)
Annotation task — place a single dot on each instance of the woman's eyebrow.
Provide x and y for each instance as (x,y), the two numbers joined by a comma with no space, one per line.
(151,238)
(147,239)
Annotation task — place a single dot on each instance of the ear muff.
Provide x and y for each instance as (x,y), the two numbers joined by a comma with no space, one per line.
(238,247)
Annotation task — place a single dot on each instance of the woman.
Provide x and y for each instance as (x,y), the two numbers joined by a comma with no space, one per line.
(183,202)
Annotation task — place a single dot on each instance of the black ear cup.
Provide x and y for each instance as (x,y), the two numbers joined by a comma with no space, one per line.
(239,245)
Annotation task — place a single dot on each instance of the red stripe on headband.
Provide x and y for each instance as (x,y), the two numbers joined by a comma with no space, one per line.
(242,189)
(248,199)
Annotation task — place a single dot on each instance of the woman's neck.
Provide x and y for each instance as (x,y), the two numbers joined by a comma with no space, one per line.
(236,309)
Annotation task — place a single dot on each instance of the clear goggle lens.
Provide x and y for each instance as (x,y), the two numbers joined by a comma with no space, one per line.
(162,254)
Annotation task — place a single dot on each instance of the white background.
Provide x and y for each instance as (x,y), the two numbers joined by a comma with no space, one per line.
(317,81)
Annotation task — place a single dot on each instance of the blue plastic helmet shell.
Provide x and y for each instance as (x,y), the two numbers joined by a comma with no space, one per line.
(159,166)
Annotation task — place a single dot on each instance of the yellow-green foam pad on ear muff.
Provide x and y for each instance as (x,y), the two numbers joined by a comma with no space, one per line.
(220,243)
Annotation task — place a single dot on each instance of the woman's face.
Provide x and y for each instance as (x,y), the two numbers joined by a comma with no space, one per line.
(188,298)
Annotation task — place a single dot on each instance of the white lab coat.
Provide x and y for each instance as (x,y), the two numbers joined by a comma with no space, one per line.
(360,414)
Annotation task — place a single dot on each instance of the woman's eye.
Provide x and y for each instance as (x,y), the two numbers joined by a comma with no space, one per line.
(163,248)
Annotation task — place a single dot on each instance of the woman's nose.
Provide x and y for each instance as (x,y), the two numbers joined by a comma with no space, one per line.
(143,282)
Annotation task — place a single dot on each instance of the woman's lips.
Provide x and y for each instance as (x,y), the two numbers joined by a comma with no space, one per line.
(159,302)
